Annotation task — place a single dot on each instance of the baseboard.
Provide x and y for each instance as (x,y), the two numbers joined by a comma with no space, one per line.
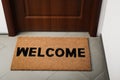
(104,54)
(3,33)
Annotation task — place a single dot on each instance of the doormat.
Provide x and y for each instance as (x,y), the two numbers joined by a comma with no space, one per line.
(51,53)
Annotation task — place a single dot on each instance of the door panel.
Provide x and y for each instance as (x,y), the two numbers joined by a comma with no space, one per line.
(53,7)
(52,15)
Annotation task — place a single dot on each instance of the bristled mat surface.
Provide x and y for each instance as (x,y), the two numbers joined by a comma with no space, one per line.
(51,53)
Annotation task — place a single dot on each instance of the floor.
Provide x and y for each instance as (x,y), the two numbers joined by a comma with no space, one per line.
(99,68)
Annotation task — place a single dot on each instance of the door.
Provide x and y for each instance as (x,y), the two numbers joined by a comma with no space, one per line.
(54,15)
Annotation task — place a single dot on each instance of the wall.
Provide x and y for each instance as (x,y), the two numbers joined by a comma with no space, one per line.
(102,16)
(111,38)
(3,27)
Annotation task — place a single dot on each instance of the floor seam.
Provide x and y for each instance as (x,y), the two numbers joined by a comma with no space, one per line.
(4,74)
(51,75)
(99,75)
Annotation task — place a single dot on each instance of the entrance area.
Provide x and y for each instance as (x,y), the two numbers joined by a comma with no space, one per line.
(98,61)
(52,15)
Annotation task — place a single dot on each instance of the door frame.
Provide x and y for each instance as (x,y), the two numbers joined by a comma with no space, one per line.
(11,22)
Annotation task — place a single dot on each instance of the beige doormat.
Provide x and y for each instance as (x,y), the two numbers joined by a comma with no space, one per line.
(51,53)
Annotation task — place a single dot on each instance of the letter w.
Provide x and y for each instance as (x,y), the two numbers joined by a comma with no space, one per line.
(22,50)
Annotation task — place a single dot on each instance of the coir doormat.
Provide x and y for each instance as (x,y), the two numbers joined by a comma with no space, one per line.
(51,53)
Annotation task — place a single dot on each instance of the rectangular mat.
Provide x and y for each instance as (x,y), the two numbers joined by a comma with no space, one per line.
(51,53)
